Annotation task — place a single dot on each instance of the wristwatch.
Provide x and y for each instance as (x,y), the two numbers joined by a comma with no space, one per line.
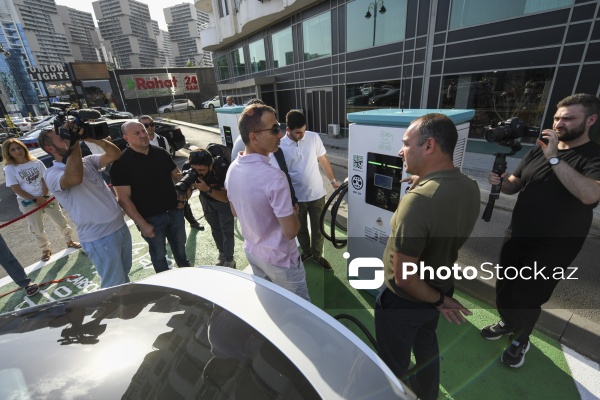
(440,300)
(554,160)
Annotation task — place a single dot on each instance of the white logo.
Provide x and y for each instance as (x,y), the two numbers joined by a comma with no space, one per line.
(366,262)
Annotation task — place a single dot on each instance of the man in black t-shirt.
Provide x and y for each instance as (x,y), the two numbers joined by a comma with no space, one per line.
(144,180)
(559,185)
(213,197)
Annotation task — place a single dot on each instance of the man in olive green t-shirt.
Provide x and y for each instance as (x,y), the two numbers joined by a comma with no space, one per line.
(432,222)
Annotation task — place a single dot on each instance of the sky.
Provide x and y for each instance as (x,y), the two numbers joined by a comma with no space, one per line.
(156,8)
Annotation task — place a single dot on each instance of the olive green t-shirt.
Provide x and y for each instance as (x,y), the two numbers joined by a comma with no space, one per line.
(432,222)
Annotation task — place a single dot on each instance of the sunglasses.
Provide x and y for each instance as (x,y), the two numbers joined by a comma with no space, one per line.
(200,155)
(274,129)
(149,125)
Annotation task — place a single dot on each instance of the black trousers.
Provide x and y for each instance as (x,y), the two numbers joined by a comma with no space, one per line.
(519,301)
(402,326)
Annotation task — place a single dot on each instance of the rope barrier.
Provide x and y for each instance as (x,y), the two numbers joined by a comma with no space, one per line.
(28,213)
(42,284)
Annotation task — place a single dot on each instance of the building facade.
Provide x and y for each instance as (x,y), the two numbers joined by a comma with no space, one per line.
(81,34)
(126,28)
(185,24)
(333,57)
(163,42)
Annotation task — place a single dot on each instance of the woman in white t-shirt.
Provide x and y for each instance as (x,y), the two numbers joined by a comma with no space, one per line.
(24,175)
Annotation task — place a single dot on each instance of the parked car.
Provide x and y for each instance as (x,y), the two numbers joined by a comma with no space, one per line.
(111,113)
(42,121)
(169,130)
(167,337)
(212,103)
(22,124)
(391,98)
(177,105)
(31,139)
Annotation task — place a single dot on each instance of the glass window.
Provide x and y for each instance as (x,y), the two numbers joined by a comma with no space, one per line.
(317,36)
(223,10)
(475,12)
(239,65)
(258,60)
(499,95)
(371,95)
(373,23)
(283,50)
(223,67)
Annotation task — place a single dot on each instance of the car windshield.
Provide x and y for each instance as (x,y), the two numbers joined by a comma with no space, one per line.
(142,341)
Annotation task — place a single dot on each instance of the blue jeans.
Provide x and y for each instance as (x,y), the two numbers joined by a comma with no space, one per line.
(13,267)
(169,226)
(221,221)
(112,257)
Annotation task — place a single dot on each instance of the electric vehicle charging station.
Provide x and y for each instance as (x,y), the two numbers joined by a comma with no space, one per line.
(375,172)
(228,119)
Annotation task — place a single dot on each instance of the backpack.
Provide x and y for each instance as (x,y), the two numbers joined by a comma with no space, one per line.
(219,150)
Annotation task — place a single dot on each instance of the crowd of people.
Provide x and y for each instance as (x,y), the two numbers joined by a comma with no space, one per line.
(273,186)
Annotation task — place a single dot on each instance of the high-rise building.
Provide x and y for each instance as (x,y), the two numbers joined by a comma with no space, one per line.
(81,33)
(17,93)
(44,31)
(126,27)
(163,41)
(185,22)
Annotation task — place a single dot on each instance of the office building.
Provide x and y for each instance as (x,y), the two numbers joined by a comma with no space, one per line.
(329,58)
(185,24)
(126,28)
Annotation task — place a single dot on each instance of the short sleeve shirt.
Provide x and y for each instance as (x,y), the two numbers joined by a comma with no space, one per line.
(28,176)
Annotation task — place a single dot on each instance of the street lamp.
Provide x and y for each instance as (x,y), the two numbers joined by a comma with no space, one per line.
(382,10)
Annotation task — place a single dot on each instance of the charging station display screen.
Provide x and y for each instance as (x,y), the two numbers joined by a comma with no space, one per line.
(383,181)
(384,173)
(228,137)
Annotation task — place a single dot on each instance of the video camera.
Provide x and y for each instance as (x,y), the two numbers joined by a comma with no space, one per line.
(509,130)
(93,130)
(189,177)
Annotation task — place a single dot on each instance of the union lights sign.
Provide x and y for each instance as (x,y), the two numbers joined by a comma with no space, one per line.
(143,86)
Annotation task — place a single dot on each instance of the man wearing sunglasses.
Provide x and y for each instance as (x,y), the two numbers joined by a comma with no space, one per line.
(155,138)
(260,197)
(304,151)
(213,197)
(144,179)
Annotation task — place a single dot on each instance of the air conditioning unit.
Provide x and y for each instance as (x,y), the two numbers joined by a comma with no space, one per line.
(333,130)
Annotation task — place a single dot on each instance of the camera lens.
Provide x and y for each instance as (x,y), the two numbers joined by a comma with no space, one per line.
(497,134)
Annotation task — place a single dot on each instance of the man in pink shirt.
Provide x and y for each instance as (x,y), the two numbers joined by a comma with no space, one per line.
(259,195)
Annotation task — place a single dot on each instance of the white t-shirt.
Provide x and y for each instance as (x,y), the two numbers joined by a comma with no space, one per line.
(28,176)
(303,165)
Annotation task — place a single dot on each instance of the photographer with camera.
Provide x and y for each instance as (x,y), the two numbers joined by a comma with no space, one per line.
(559,185)
(78,186)
(144,179)
(207,174)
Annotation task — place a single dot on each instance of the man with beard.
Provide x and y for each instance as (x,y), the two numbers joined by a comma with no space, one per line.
(559,185)
(78,186)
(213,197)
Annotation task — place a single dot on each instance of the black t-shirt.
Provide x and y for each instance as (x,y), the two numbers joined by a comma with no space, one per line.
(149,175)
(546,212)
(216,177)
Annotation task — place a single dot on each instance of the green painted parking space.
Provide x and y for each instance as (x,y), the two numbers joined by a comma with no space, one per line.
(470,365)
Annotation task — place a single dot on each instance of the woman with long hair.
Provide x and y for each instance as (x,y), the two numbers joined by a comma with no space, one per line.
(24,175)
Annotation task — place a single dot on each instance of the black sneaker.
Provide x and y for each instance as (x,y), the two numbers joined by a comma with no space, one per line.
(197,226)
(514,355)
(323,263)
(495,331)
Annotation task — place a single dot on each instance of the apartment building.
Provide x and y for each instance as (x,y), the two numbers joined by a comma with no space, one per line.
(81,34)
(185,24)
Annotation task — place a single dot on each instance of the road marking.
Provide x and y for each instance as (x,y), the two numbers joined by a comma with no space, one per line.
(585,373)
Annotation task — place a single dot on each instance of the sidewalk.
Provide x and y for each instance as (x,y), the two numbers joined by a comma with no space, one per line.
(568,328)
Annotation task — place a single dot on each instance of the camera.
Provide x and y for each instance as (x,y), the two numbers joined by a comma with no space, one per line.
(92,130)
(190,176)
(511,129)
